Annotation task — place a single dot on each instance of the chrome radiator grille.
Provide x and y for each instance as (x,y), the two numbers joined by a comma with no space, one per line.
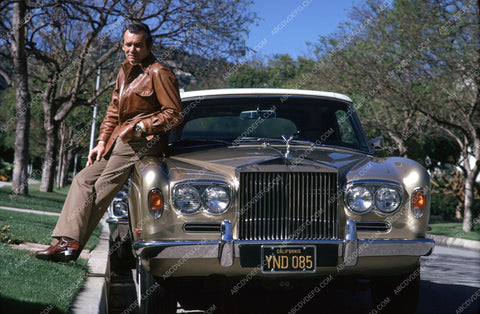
(288,205)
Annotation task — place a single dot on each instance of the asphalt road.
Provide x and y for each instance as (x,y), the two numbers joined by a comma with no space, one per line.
(450,283)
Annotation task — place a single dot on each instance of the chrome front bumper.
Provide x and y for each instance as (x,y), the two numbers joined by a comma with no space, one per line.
(119,228)
(350,248)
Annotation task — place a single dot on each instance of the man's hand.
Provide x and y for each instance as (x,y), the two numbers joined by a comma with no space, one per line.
(96,151)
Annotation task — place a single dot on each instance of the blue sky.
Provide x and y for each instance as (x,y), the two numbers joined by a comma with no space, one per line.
(287,25)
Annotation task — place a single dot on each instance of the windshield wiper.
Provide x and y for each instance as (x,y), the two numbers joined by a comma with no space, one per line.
(195,142)
(283,141)
(302,142)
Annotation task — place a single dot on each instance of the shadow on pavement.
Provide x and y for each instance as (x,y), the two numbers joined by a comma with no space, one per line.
(445,298)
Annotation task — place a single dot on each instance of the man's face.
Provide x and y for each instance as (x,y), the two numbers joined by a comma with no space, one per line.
(135,46)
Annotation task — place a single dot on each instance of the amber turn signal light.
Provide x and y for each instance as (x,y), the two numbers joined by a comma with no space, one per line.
(418,203)
(155,199)
(155,203)
(419,199)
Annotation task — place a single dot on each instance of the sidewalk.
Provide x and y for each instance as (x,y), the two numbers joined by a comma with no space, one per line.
(30,181)
(455,242)
(29,211)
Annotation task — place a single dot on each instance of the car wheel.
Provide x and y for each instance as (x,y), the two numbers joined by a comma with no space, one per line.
(121,256)
(152,295)
(396,294)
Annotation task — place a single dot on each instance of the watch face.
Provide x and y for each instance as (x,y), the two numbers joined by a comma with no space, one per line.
(138,128)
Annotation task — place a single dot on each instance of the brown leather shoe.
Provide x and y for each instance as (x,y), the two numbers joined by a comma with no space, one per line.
(64,251)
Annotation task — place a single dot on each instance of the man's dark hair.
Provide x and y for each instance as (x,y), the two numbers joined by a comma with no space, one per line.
(136,28)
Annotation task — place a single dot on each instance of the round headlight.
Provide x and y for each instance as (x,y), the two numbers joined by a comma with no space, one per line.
(387,199)
(216,199)
(187,199)
(120,209)
(359,199)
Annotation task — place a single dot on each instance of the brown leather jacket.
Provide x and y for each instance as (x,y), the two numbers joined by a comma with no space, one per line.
(146,92)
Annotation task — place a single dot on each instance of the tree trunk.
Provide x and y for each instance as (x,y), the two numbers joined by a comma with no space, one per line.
(65,156)
(62,169)
(61,154)
(469,197)
(20,78)
(48,169)
(68,163)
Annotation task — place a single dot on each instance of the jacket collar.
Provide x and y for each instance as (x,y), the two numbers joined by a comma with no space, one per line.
(144,64)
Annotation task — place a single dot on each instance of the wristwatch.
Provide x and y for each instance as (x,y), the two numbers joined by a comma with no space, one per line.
(138,127)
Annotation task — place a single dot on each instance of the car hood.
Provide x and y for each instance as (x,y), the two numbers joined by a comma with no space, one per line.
(225,163)
(230,160)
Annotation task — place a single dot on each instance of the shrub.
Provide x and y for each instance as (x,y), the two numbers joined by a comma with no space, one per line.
(444,205)
(6,236)
(6,169)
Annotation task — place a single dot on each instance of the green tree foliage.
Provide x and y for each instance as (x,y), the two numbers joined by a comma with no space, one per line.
(412,69)
(8,118)
(253,75)
(280,71)
(444,205)
(69,41)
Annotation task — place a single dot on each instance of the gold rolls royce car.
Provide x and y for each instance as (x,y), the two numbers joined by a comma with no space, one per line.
(272,186)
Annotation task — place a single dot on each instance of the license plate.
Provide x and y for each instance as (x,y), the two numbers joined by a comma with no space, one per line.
(288,259)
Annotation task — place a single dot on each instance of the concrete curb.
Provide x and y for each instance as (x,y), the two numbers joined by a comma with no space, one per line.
(455,242)
(94,296)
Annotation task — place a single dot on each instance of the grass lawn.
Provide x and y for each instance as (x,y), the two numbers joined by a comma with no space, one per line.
(26,227)
(454,230)
(44,201)
(30,285)
(27,284)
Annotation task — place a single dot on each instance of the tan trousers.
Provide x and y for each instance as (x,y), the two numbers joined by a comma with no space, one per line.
(94,188)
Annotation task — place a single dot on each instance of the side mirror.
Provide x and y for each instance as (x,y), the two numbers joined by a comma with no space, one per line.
(377,142)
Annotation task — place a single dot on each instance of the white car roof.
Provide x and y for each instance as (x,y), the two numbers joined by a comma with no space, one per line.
(262,91)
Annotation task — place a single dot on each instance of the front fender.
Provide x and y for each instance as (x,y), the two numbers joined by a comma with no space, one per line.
(149,173)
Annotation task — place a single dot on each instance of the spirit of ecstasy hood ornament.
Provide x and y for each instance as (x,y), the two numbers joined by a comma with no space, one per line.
(287,154)
(287,146)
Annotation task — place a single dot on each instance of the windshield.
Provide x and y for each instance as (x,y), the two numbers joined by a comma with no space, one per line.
(243,120)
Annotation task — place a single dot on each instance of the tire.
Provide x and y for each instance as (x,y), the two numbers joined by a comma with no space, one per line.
(396,294)
(121,256)
(152,295)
